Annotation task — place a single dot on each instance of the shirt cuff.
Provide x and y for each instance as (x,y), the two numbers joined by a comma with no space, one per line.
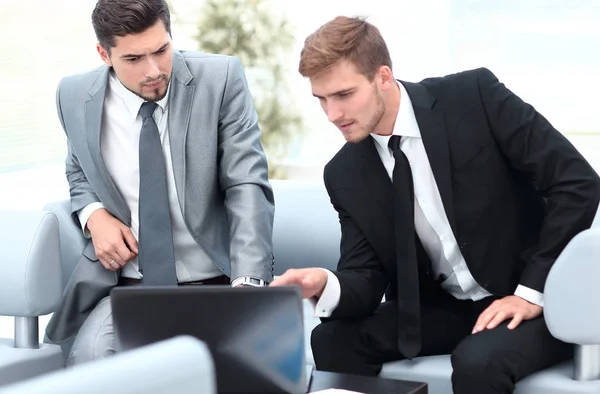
(84,215)
(528,294)
(248,281)
(329,300)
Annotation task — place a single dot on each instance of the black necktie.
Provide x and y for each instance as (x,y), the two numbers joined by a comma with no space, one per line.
(156,252)
(409,324)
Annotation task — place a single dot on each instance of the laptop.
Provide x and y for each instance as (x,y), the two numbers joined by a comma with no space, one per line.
(255,334)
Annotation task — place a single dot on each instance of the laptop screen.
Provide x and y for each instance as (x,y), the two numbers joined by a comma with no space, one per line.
(255,335)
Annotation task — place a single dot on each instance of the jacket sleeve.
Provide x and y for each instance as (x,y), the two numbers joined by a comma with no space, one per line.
(243,175)
(569,185)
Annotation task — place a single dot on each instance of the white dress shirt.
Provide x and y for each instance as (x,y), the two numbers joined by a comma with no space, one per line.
(431,222)
(119,145)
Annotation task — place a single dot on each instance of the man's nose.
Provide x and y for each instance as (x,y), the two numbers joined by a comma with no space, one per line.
(152,70)
(334,113)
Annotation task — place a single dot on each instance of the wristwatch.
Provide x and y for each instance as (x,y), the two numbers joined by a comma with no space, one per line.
(248,281)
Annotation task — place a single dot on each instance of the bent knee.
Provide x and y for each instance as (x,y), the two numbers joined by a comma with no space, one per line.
(327,334)
(95,340)
(96,349)
(472,359)
(320,336)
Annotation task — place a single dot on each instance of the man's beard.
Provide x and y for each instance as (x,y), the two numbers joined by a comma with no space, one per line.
(375,119)
(378,115)
(158,95)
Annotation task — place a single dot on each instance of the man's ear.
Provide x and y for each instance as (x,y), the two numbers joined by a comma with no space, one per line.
(386,77)
(104,55)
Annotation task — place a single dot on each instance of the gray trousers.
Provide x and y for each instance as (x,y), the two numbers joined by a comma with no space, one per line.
(96,337)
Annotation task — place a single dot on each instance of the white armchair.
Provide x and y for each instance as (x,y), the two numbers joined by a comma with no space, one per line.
(572,303)
(180,365)
(30,286)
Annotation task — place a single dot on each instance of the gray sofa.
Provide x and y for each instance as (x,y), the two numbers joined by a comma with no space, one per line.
(307,233)
(180,365)
(30,286)
(36,252)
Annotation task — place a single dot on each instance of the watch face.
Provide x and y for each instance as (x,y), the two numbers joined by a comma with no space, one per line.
(254,281)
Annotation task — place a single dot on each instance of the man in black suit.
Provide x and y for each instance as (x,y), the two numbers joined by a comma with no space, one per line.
(455,197)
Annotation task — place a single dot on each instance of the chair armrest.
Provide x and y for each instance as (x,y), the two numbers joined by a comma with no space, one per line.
(72,240)
(572,293)
(30,283)
(177,365)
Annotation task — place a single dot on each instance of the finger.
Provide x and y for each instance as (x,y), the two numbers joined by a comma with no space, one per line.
(288,278)
(130,240)
(514,323)
(499,318)
(483,320)
(113,260)
(105,264)
(115,265)
(307,282)
(106,258)
(113,256)
(102,255)
(109,264)
(124,254)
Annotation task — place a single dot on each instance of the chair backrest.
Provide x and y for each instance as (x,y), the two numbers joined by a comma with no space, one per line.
(177,365)
(30,286)
(569,310)
(72,240)
(30,280)
(571,299)
(306,231)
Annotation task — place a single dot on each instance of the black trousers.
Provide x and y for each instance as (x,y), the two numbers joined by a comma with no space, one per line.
(488,362)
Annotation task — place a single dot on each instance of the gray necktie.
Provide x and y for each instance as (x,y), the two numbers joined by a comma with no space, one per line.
(156,253)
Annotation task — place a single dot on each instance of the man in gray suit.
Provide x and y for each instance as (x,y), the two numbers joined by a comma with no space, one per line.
(167,175)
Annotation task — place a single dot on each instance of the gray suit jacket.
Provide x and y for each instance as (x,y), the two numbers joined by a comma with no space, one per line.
(219,166)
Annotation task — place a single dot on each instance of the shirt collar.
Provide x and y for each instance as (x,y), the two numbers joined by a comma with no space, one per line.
(132,101)
(405,124)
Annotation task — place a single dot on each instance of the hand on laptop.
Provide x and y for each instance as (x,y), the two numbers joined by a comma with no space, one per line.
(311,280)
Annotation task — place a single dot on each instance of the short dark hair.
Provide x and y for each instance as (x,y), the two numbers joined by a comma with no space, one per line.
(344,38)
(118,18)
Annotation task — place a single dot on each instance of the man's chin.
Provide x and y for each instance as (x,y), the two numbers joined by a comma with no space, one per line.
(355,138)
(154,96)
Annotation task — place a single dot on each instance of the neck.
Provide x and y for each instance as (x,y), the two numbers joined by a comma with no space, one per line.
(392,106)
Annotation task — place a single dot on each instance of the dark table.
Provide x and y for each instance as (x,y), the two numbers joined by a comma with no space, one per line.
(364,384)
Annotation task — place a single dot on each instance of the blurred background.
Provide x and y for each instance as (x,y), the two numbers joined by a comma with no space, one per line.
(546,51)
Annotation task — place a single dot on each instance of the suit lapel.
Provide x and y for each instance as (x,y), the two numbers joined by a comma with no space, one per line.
(93,124)
(435,139)
(180,108)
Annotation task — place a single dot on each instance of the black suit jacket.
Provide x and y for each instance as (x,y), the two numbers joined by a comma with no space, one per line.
(515,191)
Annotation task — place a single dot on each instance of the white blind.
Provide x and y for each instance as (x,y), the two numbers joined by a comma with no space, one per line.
(42,42)
(545,50)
